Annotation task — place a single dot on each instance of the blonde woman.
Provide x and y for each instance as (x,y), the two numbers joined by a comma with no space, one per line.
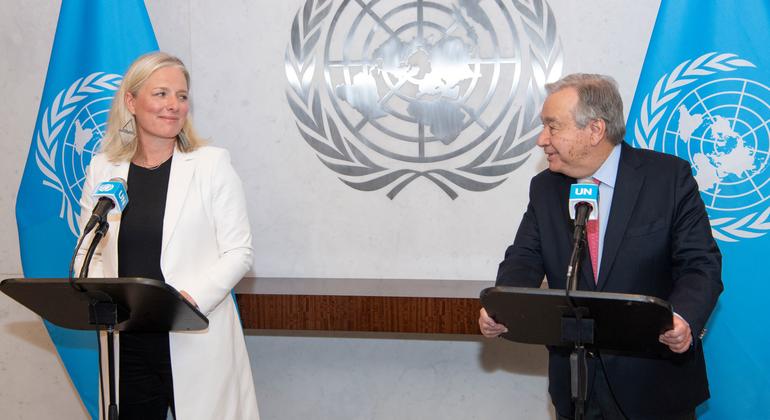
(185,224)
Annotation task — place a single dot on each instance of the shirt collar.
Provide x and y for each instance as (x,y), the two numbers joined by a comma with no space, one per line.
(608,172)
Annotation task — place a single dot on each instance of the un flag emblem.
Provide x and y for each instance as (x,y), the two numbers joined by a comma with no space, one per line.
(71,130)
(719,124)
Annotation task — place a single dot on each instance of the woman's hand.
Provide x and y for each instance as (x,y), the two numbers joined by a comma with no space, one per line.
(188,297)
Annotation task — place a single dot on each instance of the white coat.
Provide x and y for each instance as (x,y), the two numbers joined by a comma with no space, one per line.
(206,250)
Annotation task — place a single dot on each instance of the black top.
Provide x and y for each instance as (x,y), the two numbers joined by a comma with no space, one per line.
(139,245)
(141,224)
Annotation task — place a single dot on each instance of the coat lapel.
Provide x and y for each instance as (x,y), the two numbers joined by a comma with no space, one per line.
(627,187)
(110,253)
(180,178)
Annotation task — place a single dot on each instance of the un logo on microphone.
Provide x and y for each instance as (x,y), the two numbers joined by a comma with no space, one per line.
(71,130)
(389,92)
(719,124)
(105,187)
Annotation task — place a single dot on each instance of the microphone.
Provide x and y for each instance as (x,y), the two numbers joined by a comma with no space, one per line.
(583,205)
(112,198)
(583,202)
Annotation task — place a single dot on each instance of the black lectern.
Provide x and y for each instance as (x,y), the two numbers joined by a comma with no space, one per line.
(122,304)
(606,321)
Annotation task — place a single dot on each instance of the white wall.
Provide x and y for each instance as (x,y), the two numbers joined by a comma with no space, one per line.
(306,223)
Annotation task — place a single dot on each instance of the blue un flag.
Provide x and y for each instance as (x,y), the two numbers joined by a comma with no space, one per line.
(704,95)
(94,44)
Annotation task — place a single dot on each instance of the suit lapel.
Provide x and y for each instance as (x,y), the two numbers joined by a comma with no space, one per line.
(627,186)
(563,204)
(180,178)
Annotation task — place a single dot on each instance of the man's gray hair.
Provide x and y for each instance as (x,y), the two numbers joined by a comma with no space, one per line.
(598,97)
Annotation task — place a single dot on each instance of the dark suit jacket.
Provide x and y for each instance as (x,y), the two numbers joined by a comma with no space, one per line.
(658,242)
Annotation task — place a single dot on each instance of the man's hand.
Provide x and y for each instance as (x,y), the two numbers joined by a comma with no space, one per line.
(679,338)
(488,326)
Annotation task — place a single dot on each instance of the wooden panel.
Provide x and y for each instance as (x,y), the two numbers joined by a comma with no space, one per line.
(425,315)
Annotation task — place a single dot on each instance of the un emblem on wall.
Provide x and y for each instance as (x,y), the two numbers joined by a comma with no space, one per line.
(70,133)
(719,124)
(388,92)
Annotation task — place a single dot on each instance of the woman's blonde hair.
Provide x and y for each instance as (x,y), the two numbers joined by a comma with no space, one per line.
(120,142)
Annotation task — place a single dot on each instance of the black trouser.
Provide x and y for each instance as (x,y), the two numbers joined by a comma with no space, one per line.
(146,384)
(601,404)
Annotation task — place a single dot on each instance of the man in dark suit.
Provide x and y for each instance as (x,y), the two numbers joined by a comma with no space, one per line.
(654,239)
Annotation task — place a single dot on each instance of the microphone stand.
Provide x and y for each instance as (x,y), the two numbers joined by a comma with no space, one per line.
(103,313)
(573,329)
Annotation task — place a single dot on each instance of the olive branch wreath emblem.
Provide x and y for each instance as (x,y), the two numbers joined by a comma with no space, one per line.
(53,121)
(655,107)
(502,156)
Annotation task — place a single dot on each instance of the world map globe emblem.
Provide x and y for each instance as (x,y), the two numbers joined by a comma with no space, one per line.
(421,82)
(81,141)
(721,127)
(387,92)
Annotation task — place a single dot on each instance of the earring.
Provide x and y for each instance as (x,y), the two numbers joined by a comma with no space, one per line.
(127,132)
(128,128)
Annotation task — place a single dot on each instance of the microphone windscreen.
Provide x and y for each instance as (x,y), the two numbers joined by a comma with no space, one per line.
(115,190)
(584,192)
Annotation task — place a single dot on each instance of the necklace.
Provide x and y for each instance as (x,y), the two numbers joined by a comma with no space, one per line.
(151,167)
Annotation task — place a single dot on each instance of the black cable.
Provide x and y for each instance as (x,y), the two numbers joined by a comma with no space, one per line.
(71,271)
(98,235)
(72,281)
